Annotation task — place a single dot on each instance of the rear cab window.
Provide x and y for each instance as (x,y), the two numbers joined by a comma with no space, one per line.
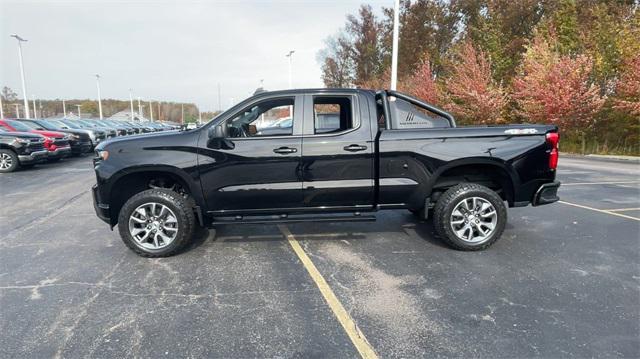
(406,115)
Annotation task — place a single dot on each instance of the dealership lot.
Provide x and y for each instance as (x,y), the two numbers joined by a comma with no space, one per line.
(563,281)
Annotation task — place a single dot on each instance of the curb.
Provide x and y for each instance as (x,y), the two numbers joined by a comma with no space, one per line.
(627,159)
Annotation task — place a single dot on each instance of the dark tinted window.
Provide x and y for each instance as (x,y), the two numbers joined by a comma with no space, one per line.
(332,114)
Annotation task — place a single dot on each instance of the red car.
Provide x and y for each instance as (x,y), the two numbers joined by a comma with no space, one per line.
(57,143)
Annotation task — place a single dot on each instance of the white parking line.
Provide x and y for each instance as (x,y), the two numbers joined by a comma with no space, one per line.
(600,210)
(623,209)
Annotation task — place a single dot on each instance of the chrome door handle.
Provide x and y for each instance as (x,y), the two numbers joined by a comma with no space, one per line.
(355,148)
(285,150)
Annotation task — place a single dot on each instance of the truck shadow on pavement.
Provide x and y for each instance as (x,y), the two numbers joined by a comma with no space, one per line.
(398,226)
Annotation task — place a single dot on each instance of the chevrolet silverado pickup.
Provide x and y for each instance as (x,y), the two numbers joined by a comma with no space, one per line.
(323,155)
(19,149)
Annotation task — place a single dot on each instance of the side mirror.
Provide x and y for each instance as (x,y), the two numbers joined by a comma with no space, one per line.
(217,139)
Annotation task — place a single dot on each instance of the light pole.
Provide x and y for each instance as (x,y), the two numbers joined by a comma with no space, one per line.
(139,108)
(24,86)
(394,52)
(79,115)
(99,99)
(290,56)
(64,109)
(17,105)
(131,103)
(151,111)
(33,99)
(1,108)
(219,102)
(182,119)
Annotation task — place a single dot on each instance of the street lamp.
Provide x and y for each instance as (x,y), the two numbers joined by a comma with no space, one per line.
(1,108)
(64,109)
(290,56)
(150,111)
(35,112)
(131,103)
(99,99)
(24,86)
(79,115)
(17,105)
(394,51)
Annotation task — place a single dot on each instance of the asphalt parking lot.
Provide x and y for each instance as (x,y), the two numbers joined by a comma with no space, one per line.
(564,281)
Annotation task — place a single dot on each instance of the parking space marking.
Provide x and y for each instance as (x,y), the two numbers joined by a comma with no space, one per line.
(623,209)
(357,337)
(600,210)
(596,183)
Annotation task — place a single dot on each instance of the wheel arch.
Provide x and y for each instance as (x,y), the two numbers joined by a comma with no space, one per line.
(128,182)
(493,172)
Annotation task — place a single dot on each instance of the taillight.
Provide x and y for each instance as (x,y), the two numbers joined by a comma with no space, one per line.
(552,139)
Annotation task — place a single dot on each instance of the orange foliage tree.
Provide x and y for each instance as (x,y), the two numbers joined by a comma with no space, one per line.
(552,88)
(628,88)
(472,93)
(422,83)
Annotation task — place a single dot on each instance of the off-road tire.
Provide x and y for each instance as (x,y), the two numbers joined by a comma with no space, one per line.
(179,204)
(446,204)
(15,163)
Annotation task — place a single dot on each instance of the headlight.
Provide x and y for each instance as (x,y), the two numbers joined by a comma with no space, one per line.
(92,135)
(103,155)
(23,140)
(74,137)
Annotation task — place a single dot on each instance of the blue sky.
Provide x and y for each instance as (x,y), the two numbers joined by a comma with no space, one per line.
(166,50)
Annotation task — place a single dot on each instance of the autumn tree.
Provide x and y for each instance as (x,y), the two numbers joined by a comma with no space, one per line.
(554,88)
(628,88)
(364,30)
(422,83)
(472,93)
(337,62)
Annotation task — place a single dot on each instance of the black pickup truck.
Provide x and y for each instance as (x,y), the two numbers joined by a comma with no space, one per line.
(323,155)
(20,149)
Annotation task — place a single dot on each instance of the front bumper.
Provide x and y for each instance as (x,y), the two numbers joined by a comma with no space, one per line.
(33,157)
(60,152)
(81,147)
(102,209)
(547,193)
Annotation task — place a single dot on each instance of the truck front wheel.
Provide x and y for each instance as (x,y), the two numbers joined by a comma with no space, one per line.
(156,222)
(8,161)
(470,217)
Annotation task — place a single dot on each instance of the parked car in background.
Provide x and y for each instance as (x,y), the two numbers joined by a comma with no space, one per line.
(95,135)
(57,143)
(109,132)
(120,130)
(78,139)
(20,149)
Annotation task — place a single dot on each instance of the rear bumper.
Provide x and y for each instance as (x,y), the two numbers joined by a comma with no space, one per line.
(33,156)
(102,209)
(547,193)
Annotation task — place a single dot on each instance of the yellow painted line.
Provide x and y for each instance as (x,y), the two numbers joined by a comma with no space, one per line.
(600,210)
(357,337)
(623,209)
(596,183)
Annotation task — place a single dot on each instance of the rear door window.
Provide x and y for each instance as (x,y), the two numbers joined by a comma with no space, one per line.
(332,114)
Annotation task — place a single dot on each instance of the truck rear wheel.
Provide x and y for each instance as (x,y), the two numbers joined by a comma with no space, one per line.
(8,161)
(156,222)
(470,217)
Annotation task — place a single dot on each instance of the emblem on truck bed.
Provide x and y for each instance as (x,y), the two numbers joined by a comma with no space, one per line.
(521,131)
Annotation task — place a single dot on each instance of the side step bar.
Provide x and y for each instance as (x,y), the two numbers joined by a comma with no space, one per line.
(297,219)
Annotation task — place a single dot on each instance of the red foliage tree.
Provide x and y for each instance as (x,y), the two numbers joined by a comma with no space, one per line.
(422,83)
(473,95)
(557,89)
(628,88)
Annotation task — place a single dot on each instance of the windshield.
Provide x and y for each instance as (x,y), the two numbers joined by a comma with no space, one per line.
(19,125)
(32,125)
(47,125)
(58,124)
(71,124)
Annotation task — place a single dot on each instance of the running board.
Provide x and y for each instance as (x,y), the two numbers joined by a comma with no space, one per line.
(296,219)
